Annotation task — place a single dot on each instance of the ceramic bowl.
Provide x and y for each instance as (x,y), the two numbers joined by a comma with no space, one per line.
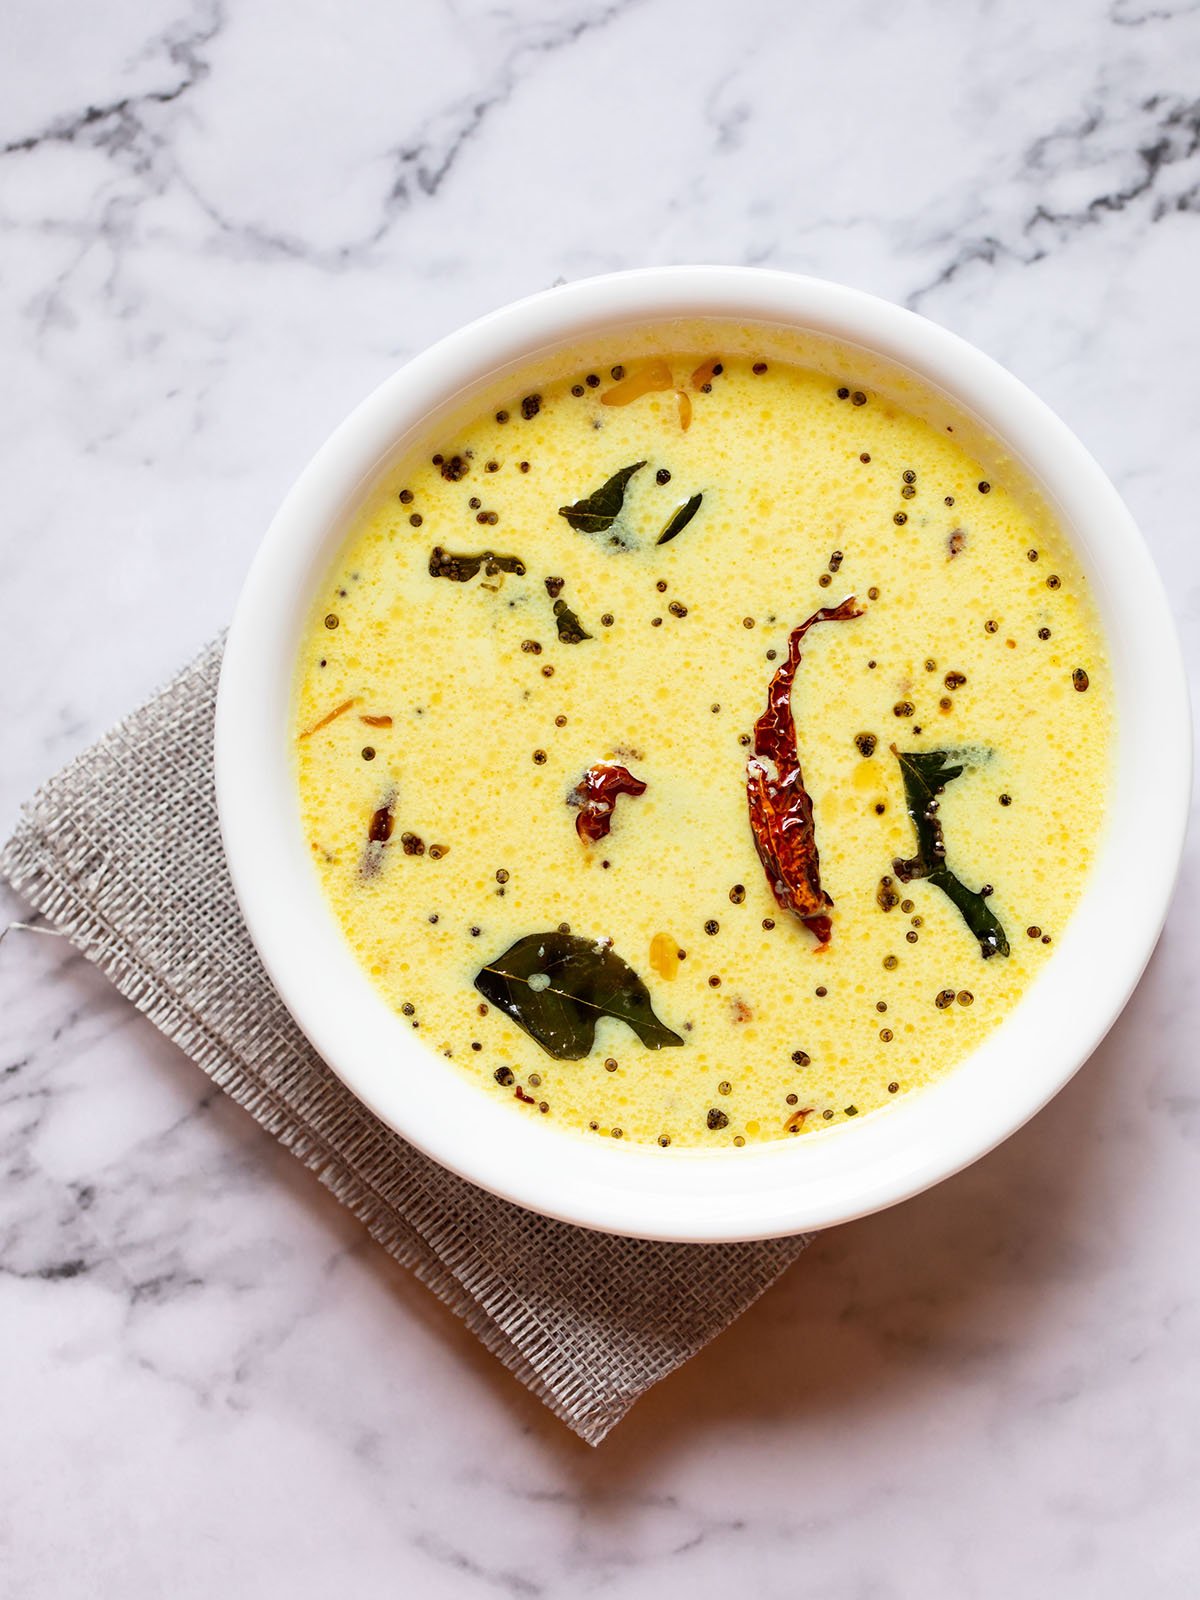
(784,1187)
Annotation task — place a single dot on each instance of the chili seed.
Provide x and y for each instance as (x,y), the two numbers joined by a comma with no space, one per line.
(662,476)
(503,1076)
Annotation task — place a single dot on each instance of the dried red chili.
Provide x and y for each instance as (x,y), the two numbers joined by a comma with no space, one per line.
(781,813)
(596,795)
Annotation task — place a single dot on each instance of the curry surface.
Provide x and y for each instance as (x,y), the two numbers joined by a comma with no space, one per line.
(488,737)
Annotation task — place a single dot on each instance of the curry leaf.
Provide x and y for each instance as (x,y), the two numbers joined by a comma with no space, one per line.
(597,512)
(462,568)
(926,773)
(570,629)
(679,519)
(556,986)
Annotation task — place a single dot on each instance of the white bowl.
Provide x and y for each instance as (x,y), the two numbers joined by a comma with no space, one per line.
(779,1188)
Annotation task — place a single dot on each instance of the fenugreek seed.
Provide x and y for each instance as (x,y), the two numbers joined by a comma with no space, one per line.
(768,923)
(606,621)
(965,997)
(712,926)
(944,998)
(858,398)
(801,1058)
(908,491)
(872,594)
(617,1133)
(984,488)
(531,647)
(886,1035)
(1006,799)
(824,580)
(714,982)
(828,1115)
(474,502)
(656,622)
(503,1076)
(1043,633)
(547,671)
(893,1087)
(610,1064)
(738,893)
(724,1087)
(900,518)
(759,367)
(891,962)
(539,757)
(714,708)
(881,1005)
(408,1008)
(475,1045)
(949,500)
(911,937)
(945,703)
(501,875)
(820,991)
(990,626)
(791,1099)
(1080,679)
(1034,932)
(1031,555)
(716,1119)
(331,621)
(906,906)
(1053,581)
(909,475)
(662,476)
(416,519)
(677,609)
(738,1140)
(747,622)
(664,1139)
(903,708)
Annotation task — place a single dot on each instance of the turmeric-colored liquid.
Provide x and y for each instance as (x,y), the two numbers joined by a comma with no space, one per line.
(457,707)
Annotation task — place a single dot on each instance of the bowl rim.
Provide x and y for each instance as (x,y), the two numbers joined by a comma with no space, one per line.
(760,1191)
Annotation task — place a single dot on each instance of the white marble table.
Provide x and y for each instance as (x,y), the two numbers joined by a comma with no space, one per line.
(221,224)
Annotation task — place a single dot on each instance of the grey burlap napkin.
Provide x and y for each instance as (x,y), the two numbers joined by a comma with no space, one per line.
(121,852)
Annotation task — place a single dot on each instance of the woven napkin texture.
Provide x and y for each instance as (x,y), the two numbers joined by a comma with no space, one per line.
(122,853)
